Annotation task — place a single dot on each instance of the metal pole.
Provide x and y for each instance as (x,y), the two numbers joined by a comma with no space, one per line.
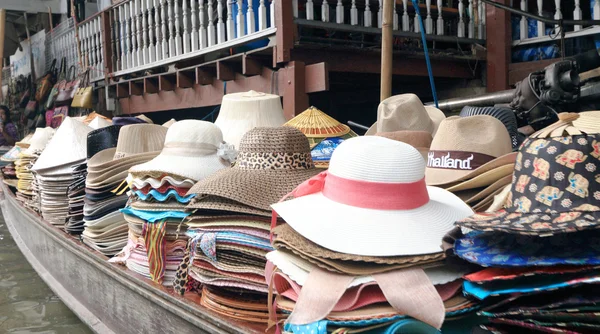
(387,48)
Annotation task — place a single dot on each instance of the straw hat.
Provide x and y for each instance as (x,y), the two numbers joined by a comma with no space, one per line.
(169,123)
(25,142)
(40,139)
(271,163)
(193,149)
(317,125)
(588,121)
(100,122)
(137,141)
(242,112)
(12,154)
(406,112)
(102,139)
(388,213)
(554,188)
(465,147)
(421,140)
(66,147)
(504,115)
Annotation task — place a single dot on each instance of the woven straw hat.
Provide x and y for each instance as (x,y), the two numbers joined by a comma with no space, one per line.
(25,142)
(317,125)
(377,221)
(406,112)
(193,149)
(242,112)
(40,139)
(67,146)
(271,163)
(588,121)
(421,140)
(465,147)
(504,115)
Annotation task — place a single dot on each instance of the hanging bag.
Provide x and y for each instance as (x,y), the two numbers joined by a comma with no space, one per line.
(64,94)
(45,83)
(59,116)
(58,85)
(83,96)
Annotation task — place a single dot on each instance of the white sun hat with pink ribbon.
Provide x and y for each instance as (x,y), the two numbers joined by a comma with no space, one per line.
(373,201)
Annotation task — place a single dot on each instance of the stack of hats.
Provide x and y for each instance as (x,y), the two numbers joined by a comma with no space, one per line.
(242,112)
(471,157)
(324,133)
(355,243)
(229,229)
(192,151)
(111,152)
(9,172)
(542,253)
(3,151)
(60,165)
(505,115)
(23,165)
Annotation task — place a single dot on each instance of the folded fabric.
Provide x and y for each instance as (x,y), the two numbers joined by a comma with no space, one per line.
(498,274)
(508,250)
(207,242)
(157,183)
(163,197)
(154,216)
(162,189)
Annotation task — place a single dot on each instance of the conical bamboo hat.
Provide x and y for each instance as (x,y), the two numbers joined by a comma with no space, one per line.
(316,124)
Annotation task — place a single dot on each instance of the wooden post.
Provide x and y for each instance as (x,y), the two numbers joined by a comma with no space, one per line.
(284,21)
(387,48)
(498,32)
(107,41)
(2,32)
(295,98)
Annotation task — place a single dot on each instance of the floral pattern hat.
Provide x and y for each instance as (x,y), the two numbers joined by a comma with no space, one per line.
(555,185)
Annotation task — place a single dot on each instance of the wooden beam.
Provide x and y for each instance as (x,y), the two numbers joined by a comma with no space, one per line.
(151,85)
(186,79)
(122,90)
(284,21)
(204,76)
(316,78)
(136,88)
(519,71)
(498,31)
(166,81)
(250,66)
(225,72)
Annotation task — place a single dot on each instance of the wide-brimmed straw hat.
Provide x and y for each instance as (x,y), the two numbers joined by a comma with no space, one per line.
(317,125)
(421,140)
(39,140)
(406,112)
(25,142)
(388,213)
(193,149)
(505,115)
(465,147)
(271,162)
(555,186)
(588,121)
(242,112)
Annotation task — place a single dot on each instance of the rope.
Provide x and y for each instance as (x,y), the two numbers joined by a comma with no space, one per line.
(427,60)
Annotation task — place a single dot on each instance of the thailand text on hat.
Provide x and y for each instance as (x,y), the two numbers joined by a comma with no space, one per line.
(406,112)
(465,147)
(242,112)
(388,213)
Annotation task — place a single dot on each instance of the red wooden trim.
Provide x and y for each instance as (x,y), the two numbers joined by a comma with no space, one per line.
(317,78)
(295,99)
(498,31)
(105,24)
(284,21)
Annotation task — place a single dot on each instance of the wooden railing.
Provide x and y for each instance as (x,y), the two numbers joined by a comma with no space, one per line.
(61,43)
(91,46)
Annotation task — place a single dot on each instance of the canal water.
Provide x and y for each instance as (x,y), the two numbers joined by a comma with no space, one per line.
(27,305)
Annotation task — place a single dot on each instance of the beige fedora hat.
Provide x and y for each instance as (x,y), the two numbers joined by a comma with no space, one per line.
(242,112)
(465,147)
(406,112)
(421,140)
(136,142)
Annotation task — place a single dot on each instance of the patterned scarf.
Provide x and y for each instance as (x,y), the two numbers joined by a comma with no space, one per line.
(154,238)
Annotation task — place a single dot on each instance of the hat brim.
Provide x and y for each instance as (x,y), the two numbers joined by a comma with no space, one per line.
(492,189)
(104,160)
(156,183)
(485,179)
(539,224)
(107,220)
(190,167)
(215,203)
(243,185)
(444,177)
(370,232)
(118,178)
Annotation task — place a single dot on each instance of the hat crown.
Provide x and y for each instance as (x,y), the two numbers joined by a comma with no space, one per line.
(140,138)
(394,161)
(403,112)
(40,139)
(557,175)
(314,123)
(194,132)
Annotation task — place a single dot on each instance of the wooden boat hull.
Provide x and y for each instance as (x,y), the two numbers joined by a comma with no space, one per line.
(106,297)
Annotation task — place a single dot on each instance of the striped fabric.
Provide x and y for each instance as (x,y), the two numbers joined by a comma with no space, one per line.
(154,237)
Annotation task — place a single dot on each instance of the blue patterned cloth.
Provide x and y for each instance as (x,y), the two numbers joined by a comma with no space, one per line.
(497,249)
(319,327)
(154,216)
(172,193)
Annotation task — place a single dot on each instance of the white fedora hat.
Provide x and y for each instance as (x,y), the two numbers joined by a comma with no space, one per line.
(193,149)
(40,139)
(242,112)
(373,201)
(406,112)
(67,146)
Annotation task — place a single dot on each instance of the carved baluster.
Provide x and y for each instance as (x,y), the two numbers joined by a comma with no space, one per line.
(100,47)
(483,19)
(558,14)
(577,14)
(220,23)
(339,12)
(211,24)
(354,14)
(481,14)
(186,34)
(325,11)
(202,15)
(310,10)
(596,10)
(230,22)
(429,19)
(194,34)
(115,38)
(144,19)
(250,19)
(295,7)
(405,17)
(523,26)
(97,41)
(133,34)
(262,16)
(241,22)
(272,13)
(158,44)
(151,44)
(471,20)
(177,29)
(440,19)
(138,23)
(395,27)
(380,14)
(368,14)
(123,32)
(171,28)
(89,46)
(461,22)
(163,26)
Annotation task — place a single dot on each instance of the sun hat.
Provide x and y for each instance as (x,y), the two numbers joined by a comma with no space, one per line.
(317,125)
(554,188)
(271,162)
(192,150)
(406,112)
(99,123)
(242,112)
(505,115)
(465,147)
(67,146)
(102,139)
(25,142)
(588,121)
(12,155)
(39,140)
(421,140)
(170,122)
(388,213)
